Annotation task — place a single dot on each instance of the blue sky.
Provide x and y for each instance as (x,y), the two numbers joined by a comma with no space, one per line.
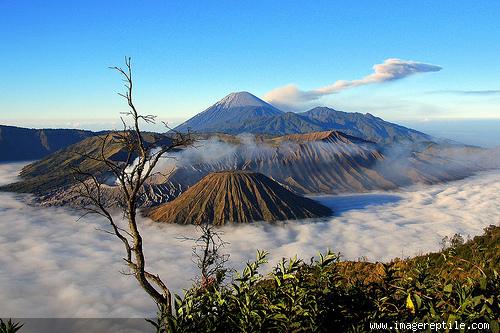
(189,54)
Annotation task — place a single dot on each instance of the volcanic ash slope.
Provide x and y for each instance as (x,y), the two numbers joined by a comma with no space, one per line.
(236,197)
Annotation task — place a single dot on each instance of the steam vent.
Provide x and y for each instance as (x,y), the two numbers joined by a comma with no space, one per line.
(237,197)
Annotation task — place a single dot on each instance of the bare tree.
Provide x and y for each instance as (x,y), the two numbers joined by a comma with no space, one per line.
(208,256)
(141,155)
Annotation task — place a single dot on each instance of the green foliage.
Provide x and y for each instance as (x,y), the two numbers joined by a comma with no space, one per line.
(326,294)
(9,326)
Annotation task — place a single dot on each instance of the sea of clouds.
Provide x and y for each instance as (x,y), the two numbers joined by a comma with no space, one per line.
(53,266)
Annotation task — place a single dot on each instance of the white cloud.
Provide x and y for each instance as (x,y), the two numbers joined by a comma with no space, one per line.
(54,266)
(9,171)
(390,70)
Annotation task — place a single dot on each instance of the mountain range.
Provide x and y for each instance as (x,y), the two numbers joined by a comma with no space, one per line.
(243,112)
(24,144)
(328,162)
(237,113)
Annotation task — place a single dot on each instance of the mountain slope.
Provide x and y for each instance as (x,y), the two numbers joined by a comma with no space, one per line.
(365,126)
(230,111)
(328,162)
(324,136)
(286,123)
(55,172)
(236,197)
(18,144)
(242,112)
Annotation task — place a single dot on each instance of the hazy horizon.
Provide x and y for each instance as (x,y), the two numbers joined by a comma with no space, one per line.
(478,132)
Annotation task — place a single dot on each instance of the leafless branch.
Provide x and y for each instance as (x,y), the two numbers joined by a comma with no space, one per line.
(142,153)
(208,256)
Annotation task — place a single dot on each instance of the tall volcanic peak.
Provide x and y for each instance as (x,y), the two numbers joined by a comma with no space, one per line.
(242,99)
(242,112)
(232,110)
(236,197)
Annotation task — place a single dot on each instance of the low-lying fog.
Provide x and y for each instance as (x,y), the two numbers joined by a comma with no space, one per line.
(53,266)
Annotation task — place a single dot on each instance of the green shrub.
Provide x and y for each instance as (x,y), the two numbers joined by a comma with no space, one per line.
(460,284)
(9,326)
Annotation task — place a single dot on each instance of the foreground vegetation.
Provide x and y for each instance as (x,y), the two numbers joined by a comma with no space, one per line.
(459,284)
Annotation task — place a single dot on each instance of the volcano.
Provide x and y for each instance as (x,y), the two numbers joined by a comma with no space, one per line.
(242,112)
(236,197)
(234,109)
